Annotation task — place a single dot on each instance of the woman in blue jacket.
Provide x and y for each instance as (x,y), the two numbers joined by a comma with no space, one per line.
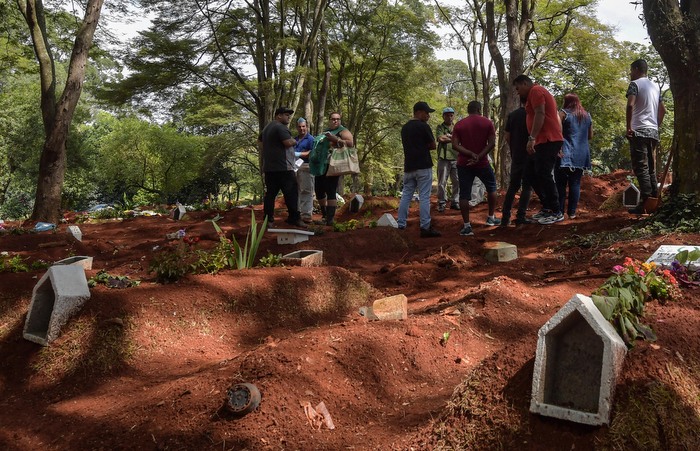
(577,129)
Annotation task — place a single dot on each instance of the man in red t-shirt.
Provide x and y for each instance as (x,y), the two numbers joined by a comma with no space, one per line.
(474,137)
(544,142)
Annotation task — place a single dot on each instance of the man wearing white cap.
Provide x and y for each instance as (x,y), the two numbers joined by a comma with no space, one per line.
(447,161)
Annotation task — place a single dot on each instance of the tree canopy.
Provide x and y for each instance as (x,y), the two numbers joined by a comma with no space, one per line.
(174,113)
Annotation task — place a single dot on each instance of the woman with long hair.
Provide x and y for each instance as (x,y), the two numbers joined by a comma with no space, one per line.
(577,129)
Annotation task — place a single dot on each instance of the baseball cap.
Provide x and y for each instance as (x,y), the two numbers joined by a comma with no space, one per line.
(422,106)
(283,110)
(448,110)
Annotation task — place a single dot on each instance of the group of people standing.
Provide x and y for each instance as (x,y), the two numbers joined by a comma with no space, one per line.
(549,148)
(280,152)
(549,153)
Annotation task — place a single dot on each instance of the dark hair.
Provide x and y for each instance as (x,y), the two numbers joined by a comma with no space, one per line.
(474,107)
(522,80)
(335,112)
(573,104)
(640,65)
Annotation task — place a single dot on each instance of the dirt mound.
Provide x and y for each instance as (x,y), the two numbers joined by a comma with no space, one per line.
(148,367)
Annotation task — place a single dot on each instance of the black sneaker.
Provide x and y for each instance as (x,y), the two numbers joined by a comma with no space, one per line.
(429,233)
(441,208)
(505,222)
(455,207)
(521,221)
(638,210)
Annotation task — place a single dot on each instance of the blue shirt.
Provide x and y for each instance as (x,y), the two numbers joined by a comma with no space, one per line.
(304,144)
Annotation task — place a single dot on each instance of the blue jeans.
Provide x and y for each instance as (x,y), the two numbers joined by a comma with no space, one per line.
(572,178)
(422,179)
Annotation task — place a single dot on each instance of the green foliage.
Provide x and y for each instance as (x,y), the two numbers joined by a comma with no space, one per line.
(110,281)
(172,262)
(16,263)
(622,297)
(678,214)
(242,257)
(345,226)
(271,260)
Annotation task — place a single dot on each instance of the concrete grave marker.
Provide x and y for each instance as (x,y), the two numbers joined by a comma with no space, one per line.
(291,236)
(579,358)
(83,261)
(75,232)
(665,255)
(630,196)
(303,258)
(178,212)
(356,203)
(500,252)
(393,307)
(387,221)
(57,296)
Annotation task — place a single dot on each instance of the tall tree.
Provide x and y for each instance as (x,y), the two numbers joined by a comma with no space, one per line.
(674,30)
(57,112)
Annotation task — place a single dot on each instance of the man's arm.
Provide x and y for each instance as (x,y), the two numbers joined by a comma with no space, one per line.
(490,144)
(536,127)
(289,142)
(631,99)
(457,145)
(661,113)
(443,134)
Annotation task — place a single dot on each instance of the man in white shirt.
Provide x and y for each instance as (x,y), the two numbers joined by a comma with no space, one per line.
(645,112)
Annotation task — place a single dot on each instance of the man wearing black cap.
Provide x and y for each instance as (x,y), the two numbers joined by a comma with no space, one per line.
(418,140)
(278,166)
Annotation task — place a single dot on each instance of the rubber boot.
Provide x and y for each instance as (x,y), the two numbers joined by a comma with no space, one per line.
(330,215)
(324,212)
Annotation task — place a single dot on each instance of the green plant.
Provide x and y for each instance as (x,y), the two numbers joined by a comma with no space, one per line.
(345,226)
(172,262)
(110,281)
(622,296)
(445,338)
(271,260)
(242,256)
(14,263)
(681,270)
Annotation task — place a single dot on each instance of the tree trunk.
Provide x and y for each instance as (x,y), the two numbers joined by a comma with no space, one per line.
(57,116)
(674,32)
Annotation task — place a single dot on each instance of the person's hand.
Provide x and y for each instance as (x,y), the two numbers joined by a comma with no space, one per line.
(630,133)
(530,147)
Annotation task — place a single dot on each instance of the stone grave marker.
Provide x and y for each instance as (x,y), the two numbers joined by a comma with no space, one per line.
(630,196)
(578,361)
(356,203)
(387,221)
(665,255)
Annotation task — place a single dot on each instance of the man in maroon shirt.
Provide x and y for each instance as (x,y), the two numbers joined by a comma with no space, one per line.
(474,137)
(544,142)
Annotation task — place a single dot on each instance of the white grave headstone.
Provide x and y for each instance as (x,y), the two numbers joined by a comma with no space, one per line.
(75,232)
(387,221)
(178,212)
(356,203)
(665,255)
(630,196)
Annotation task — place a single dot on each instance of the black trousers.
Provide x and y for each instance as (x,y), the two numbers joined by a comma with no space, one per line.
(286,182)
(545,159)
(642,155)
